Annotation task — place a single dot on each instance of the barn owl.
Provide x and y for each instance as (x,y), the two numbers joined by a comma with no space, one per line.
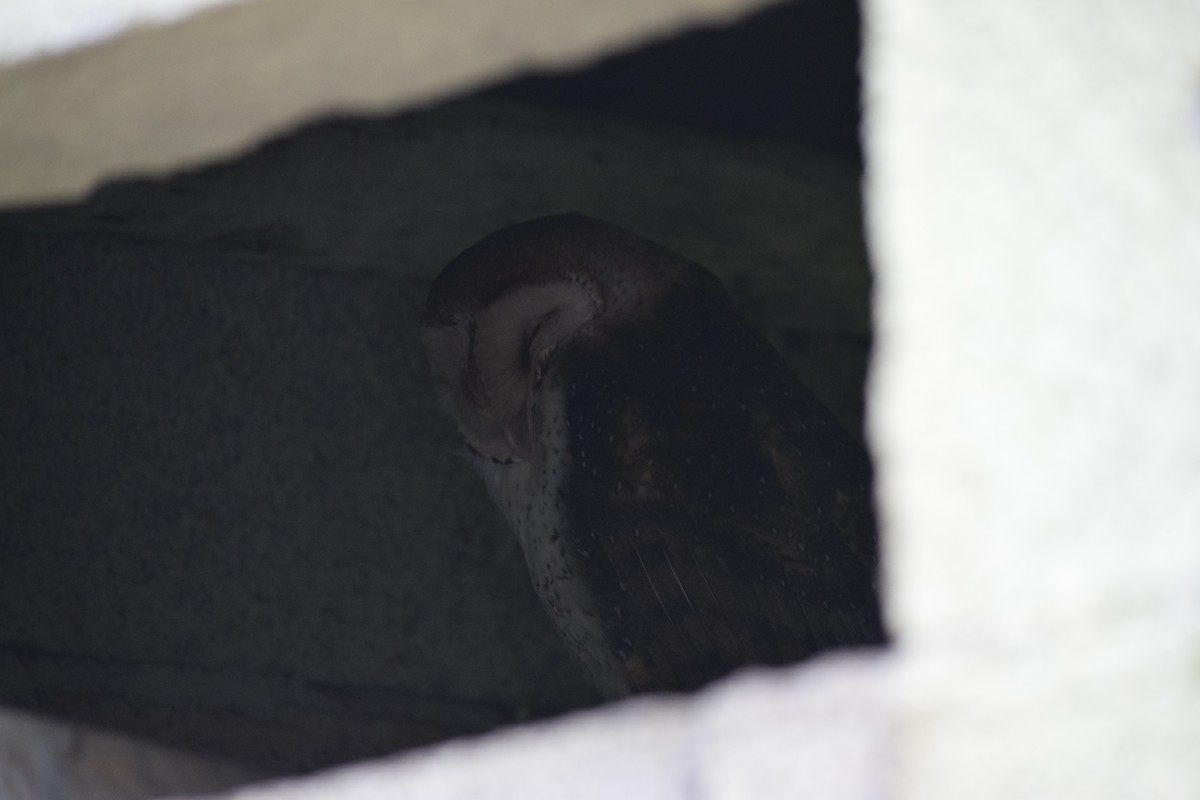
(685,507)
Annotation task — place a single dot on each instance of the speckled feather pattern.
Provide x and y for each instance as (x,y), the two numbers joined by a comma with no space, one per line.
(685,506)
(721,516)
(534,500)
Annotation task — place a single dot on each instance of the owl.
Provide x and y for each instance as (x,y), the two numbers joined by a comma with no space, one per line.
(684,505)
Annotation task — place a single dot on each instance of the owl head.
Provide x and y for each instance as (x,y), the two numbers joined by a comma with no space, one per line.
(500,313)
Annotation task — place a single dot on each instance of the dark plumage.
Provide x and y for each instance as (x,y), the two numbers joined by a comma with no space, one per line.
(685,506)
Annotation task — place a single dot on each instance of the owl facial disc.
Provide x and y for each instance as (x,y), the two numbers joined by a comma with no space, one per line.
(489,367)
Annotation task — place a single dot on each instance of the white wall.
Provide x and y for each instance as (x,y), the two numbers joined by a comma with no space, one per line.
(1034,206)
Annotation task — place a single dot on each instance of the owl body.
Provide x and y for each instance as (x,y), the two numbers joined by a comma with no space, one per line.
(685,507)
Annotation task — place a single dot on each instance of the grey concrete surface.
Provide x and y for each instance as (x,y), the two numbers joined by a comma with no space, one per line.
(160,97)
(233,519)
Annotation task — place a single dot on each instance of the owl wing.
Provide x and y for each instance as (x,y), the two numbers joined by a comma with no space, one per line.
(695,593)
(725,516)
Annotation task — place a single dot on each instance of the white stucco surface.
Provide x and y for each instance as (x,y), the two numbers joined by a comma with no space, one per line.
(817,732)
(51,26)
(1033,199)
(813,732)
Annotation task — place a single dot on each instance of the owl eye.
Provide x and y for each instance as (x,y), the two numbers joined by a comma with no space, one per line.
(539,365)
(530,335)
(536,361)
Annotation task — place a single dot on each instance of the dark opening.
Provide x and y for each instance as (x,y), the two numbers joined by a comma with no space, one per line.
(234,520)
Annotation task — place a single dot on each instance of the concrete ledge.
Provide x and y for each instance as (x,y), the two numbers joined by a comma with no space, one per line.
(167,97)
(809,733)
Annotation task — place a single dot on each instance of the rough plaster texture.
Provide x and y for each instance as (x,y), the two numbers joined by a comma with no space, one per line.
(234,519)
(1034,191)
(162,97)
